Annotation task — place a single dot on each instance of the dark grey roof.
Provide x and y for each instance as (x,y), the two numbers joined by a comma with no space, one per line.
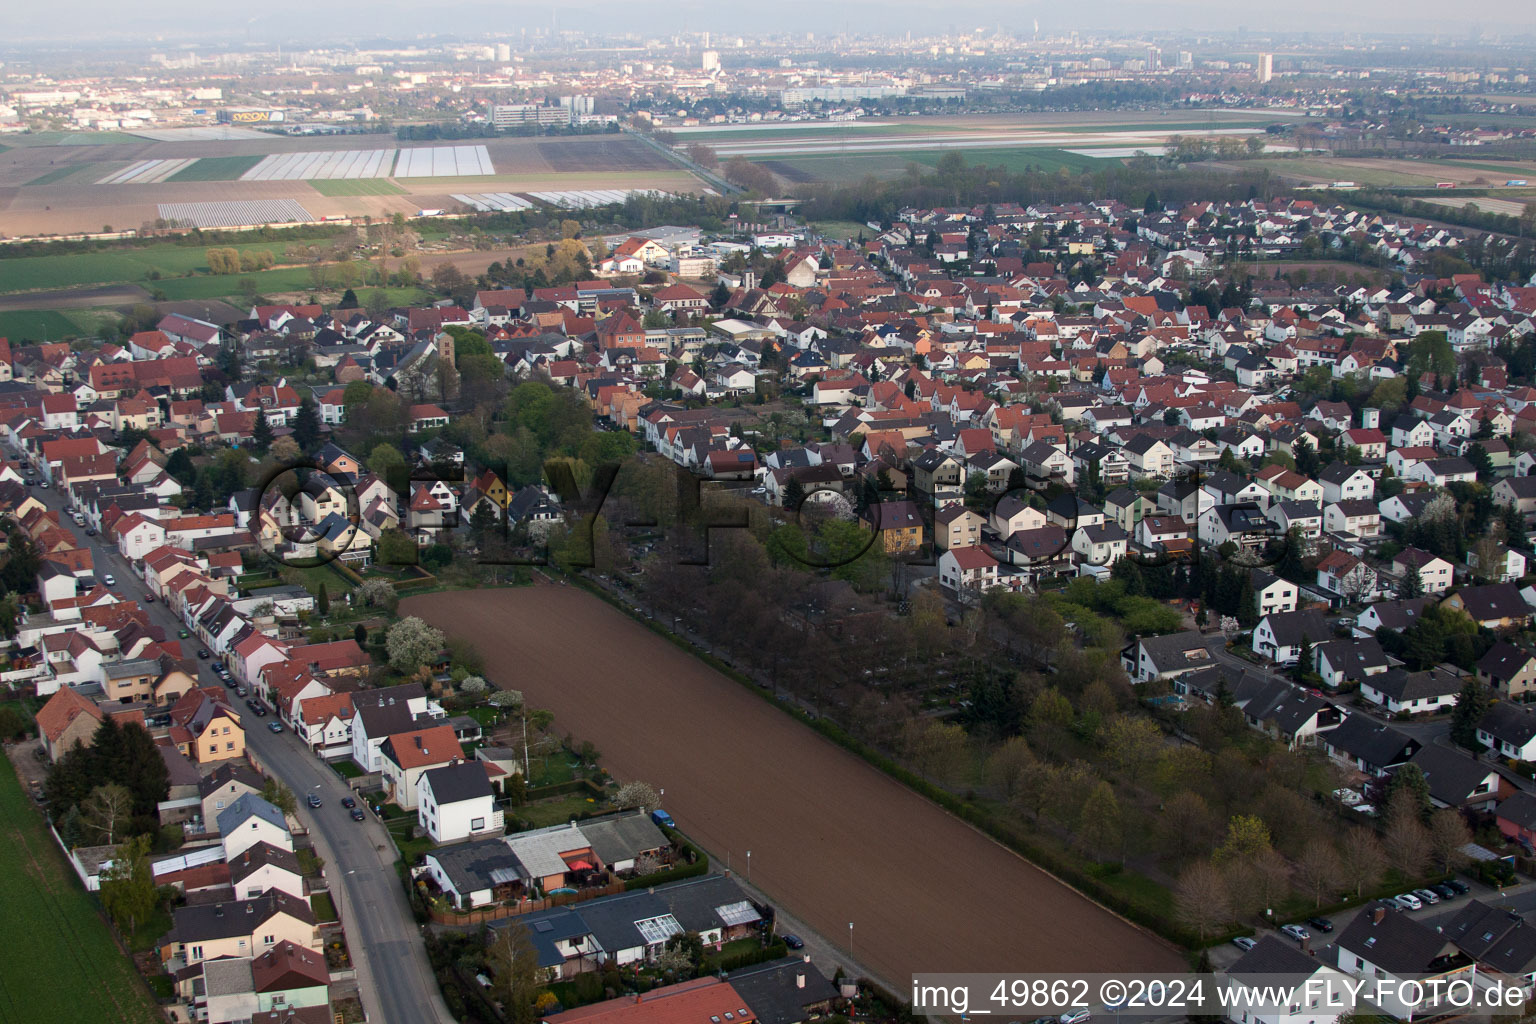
(249,805)
(618,837)
(1519,809)
(1270,956)
(1400,684)
(469,865)
(209,921)
(774,994)
(229,772)
(1452,775)
(1509,723)
(1498,938)
(1168,653)
(1290,627)
(547,927)
(1504,660)
(1396,943)
(259,856)
(1379,746)
(462,780)
(697,902)
(1494,601)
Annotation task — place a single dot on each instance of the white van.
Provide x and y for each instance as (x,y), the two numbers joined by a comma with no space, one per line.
(1408,901)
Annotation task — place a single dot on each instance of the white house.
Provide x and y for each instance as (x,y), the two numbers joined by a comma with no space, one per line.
(456,802)
(1417,693)
(1256,971)
(967,570)
(251,820)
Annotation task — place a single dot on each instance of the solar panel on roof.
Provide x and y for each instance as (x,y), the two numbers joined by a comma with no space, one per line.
(543,926)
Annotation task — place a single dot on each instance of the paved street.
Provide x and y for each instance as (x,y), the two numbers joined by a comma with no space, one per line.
(394,975)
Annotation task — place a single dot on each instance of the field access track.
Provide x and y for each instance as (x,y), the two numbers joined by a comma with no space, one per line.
(833,839)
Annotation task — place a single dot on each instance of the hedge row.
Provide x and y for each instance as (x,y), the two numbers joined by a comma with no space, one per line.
(563,789)
(700,866)
(773,951)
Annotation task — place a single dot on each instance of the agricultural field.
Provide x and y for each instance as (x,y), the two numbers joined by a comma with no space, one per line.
(56,175)
(37,325)
(812,813)
(29,273)
(216,168)
(1398,172)
(51,932)
(356,187)
(1065,122)
(846,168)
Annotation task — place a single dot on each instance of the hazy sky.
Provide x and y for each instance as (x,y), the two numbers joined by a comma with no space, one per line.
(345,20)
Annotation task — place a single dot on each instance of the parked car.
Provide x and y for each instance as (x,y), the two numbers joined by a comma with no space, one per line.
(183,634)
(1458,886)
(275,726)
(357,814)
(202,652)
(1074,1017)
(241,691)
(149,598)
(1445,891)
(1427,896)
(108,579)
(1408,901)
(348,802)
(312,800)
(90,531)
(793,941)
(218,667)
(661,817)
(1296,932)
(1320,924)
(1244,942)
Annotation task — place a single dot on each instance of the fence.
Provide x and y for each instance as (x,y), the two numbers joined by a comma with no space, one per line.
(500,913)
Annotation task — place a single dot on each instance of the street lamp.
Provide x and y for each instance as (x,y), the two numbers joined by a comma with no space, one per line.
(850,940)
(749,867)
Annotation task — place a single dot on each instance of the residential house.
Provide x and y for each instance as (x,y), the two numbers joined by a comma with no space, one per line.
(1508,671)
(456,802)
(1416,693)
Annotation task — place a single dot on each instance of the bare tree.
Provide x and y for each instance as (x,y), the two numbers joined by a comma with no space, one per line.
(1361,860)
(1271,877)
(1200,898)
(1448,833)
(1318,870)
(1408,840)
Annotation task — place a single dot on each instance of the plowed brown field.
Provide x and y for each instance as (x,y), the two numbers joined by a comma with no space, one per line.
(833,840)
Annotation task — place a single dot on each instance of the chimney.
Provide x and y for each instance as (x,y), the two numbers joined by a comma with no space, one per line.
(799,979)
(1378,914)
(250,909)
(218,911)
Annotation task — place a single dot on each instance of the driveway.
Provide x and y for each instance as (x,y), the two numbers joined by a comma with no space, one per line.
(394,976)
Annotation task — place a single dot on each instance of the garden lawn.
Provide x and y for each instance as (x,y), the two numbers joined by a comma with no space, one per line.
(555,812)
(61,962)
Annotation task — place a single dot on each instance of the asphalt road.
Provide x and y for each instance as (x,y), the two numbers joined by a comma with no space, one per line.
(393,973)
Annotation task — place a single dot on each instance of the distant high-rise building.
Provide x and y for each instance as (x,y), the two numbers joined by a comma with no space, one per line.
(503,52)
(1265,69)
(710,61)
(1154,58)
(1186,59)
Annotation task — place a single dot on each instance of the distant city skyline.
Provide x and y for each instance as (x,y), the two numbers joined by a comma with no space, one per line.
(92,20)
